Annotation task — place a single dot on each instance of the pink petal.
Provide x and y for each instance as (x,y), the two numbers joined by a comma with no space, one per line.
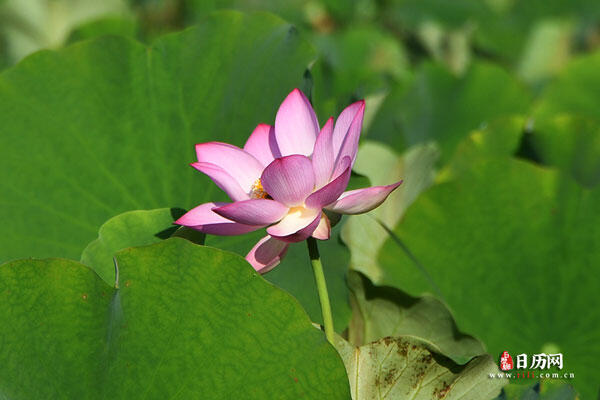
(223,180)
(343,123)
(243,167)
(296,125)
(266,254)
(203,219)
(332,191)
(289,180)
(349,146)
(323,230)
(323,157)
(262,145)
(253,211)
(297,225)
(362,200)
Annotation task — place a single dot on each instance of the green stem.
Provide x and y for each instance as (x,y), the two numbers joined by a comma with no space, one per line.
(315,260)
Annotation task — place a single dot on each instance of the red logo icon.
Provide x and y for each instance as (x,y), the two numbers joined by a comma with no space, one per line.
(506,361)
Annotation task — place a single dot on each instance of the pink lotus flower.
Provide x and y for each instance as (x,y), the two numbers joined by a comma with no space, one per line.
(283,178)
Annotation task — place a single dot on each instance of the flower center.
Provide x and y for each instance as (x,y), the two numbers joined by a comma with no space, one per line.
(257,191)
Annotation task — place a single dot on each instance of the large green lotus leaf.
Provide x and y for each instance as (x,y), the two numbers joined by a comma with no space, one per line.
(132,228)
(295,274)
(441,107)
(575,91)
(407,368)
(187,321)
(522,240)
(382,311)
(109,125)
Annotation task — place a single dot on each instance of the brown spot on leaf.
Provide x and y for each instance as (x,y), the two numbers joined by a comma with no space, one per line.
(443,392)
(389,376)
(402,348)
(128,283)
(426,359)
(84,296)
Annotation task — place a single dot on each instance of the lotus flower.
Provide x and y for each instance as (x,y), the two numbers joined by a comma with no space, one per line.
(283,179)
